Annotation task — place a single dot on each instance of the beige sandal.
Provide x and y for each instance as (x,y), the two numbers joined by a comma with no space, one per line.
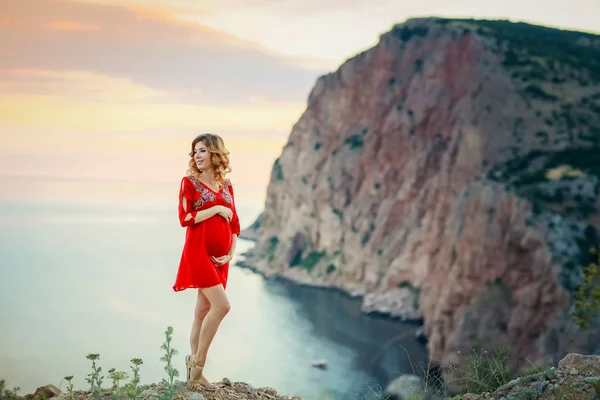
(188,368)
(196,383)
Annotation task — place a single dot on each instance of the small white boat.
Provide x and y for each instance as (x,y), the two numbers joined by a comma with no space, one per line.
(321,364)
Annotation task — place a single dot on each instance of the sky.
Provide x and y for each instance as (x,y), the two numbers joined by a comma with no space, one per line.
(114,90)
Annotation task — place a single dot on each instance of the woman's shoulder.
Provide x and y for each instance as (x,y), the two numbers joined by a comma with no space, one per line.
(189,178)
(228,187)
(227,183)
(190,181)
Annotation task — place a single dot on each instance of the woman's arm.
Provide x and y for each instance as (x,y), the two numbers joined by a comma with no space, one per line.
(233,243)
(205,214)
(235,222)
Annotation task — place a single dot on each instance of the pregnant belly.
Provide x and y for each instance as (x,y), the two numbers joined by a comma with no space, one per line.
(217,236)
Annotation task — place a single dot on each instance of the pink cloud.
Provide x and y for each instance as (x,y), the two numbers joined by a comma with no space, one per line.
(204,65)
(71,26)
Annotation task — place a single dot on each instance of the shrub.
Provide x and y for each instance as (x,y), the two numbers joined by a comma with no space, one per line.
(355,141)
(587,296)
(118,391)
(483,371)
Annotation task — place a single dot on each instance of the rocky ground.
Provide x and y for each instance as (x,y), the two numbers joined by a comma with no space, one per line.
(576,378)
(228,390)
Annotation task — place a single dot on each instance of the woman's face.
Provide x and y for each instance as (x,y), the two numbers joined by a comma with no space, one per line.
(202,157)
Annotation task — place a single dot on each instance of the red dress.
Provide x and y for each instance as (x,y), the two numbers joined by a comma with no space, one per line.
(211,237)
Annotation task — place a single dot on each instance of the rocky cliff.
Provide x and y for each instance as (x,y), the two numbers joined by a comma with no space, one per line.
(449,173)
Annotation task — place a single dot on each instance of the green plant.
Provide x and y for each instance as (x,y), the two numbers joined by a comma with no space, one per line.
(130,390)
(419,396)
(308,263)
(587,296)
(172,373)
(273,243)
(8,394)
(355,141)
(536,370)
(483,371)
(94,378)
(277,171)
(404,33)
(70,386)
(433,385)
(132,387)
(556,47)
(527,394)
(116,377)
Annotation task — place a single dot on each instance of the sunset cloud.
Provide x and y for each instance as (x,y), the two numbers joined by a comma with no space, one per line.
(71,26)
(204,66)
(76,85)
(110,89)
(187,6)
(113,86)
(51,112)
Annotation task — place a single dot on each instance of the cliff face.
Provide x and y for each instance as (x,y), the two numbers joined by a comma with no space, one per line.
(449,173)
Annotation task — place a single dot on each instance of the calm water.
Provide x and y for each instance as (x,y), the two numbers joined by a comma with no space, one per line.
(97,279)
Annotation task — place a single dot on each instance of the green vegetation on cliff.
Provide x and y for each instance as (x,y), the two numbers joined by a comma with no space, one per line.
(545,50)
(557,73)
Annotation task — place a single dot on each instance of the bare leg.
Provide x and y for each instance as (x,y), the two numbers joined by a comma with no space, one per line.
(202,308)
(219,307)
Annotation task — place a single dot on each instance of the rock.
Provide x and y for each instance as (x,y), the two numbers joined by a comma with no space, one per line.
(193,396)
(423,174)
(421,335)
(251,232)
(268,390)
(586,365)
(44,392)
(226,382)
(404,387)
(148,394)
(245,389)
(399,302)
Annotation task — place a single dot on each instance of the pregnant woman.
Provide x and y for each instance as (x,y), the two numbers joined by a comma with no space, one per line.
(207,210)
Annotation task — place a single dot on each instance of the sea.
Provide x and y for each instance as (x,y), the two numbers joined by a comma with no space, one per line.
(88,277)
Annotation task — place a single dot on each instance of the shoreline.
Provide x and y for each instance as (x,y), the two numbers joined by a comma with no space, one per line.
(417,323)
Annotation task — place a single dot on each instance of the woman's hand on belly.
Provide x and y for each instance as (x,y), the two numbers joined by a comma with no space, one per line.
(218,261)
(224,212)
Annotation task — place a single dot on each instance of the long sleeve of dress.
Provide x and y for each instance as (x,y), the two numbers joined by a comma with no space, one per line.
(235,221)
(186,202)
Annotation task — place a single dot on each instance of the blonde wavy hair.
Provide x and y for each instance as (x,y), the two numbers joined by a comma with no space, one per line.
(219,156)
